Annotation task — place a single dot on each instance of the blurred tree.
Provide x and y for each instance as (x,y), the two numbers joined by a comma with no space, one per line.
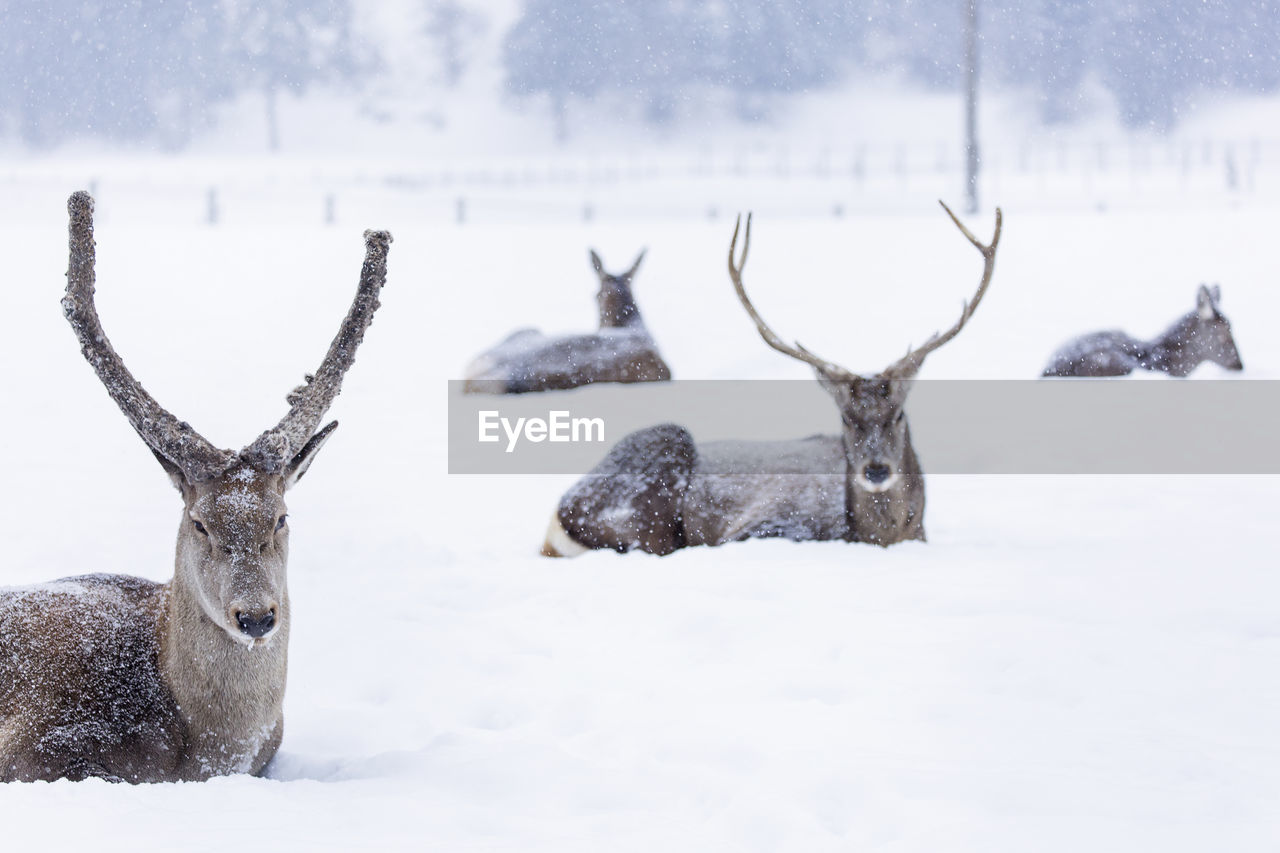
(555,49)
(657,51)
(921,38)
(1151,56)
(1046,44)
(119,70)
(781,46)
(289,45)
(454,29)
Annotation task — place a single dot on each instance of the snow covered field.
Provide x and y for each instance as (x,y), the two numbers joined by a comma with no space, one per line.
(1068,664)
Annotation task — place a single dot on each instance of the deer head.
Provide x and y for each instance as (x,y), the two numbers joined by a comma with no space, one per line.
(617,305)
(1212,331)
(876,436)
(233,539)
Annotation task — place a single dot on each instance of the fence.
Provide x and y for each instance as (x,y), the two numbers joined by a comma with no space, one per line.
(706,183)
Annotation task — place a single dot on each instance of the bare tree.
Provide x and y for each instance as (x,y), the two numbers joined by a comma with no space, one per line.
(454,28)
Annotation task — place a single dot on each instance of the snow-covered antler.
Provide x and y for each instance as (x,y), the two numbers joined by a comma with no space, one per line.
(171,440)
(276,447)
(828,368)
(907,366)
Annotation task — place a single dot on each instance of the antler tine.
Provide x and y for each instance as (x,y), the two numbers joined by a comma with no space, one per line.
(308,403)
(171,440)
(910,363)
(770,337)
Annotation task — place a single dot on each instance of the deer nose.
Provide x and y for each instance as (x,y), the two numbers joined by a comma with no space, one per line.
(876,472)
(254,624)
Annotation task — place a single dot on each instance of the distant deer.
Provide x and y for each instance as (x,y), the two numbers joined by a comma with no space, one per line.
(621,351)
(655,491)
(121,678)
(1201,335)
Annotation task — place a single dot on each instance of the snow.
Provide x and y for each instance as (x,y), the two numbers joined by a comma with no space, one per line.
(1068,664)
(528,359)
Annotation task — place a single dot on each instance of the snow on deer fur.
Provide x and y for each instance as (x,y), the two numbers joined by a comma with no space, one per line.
(126,679)
(620,351)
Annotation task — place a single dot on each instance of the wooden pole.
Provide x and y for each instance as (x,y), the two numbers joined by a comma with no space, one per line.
(971,156)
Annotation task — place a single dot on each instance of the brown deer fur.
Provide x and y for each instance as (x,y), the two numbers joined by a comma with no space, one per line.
(656,491)
(620,351)
(1199,336)
(129,680)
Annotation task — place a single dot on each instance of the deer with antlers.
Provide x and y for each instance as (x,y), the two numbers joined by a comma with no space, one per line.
(656,491)
(121,678)
(622,350)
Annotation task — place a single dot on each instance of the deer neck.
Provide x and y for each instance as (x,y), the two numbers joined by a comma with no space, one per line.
(1177,351)
(619,313)
(893,515)
(229,695)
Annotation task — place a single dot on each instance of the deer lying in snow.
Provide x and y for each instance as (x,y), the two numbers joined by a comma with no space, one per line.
(1201,335)
(125,679)
(621,351)
(656,491)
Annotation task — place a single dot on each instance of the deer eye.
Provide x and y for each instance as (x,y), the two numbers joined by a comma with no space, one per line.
(280,523)
(200,528)
(901,415)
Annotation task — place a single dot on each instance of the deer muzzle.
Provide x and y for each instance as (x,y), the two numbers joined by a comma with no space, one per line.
(256,624)
(877,477)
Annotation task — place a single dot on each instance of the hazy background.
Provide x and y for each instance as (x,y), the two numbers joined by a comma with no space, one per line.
(580,110)
(151,73)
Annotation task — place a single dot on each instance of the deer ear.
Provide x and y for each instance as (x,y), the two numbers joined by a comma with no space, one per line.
(176,476)
(837,388)
(899,389)
(597,263)
(1216,293)
(299,464)
(636,265)
(1204,303)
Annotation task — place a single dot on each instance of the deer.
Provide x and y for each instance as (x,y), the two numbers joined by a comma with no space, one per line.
(657,491)
(1198,336)
(129,680)
(621,350)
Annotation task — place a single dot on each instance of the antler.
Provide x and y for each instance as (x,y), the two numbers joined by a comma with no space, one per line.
(906,367)
(308,403)
(171,440)
(828,368)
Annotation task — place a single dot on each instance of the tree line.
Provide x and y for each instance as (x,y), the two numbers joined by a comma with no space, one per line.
(1152,57)
(153,70)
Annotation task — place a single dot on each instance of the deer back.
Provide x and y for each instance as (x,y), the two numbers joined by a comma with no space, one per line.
(530,361)
(763,489)
(620,351)
(1198,336)
(81,690)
